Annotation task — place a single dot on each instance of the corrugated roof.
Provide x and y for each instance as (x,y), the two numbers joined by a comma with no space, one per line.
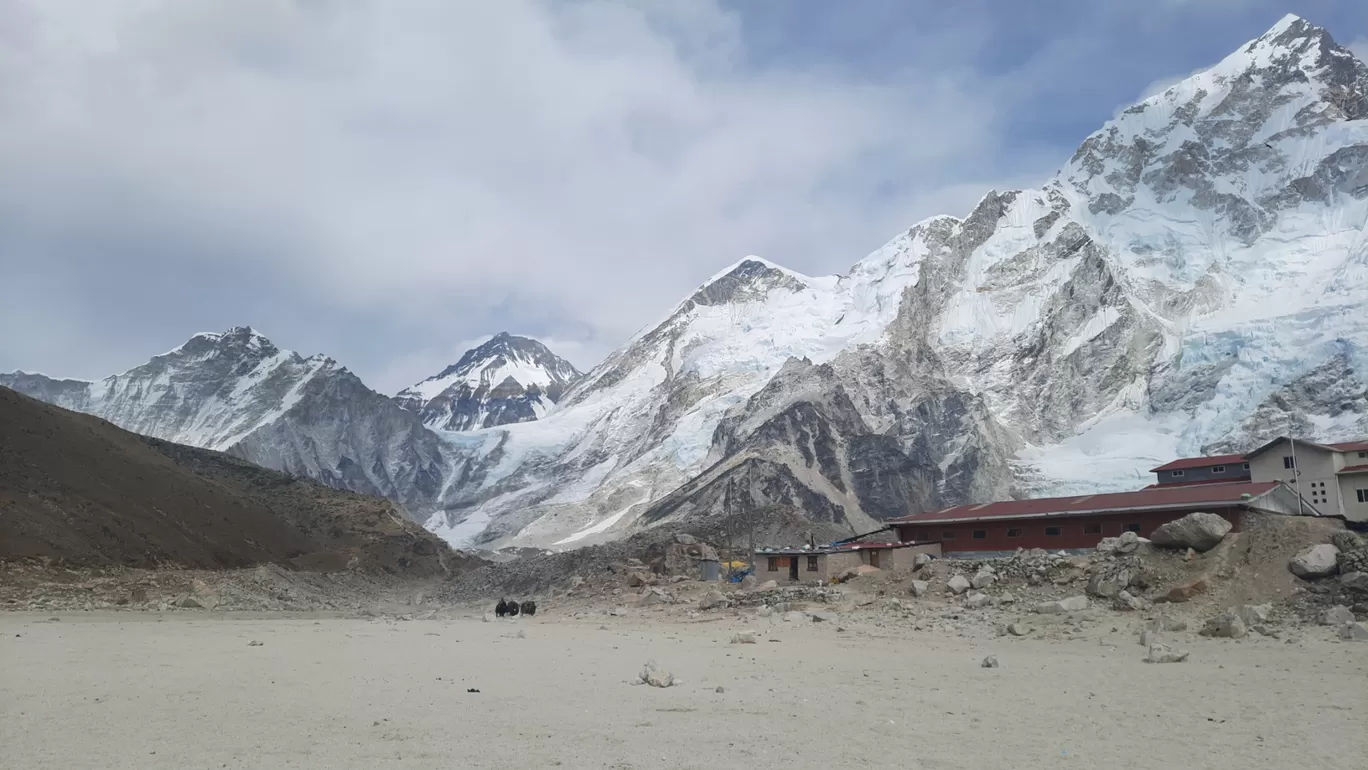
(1199,462)
(1351,446)
(799,551)
(1158,497)
(1234,478)
(1353,469)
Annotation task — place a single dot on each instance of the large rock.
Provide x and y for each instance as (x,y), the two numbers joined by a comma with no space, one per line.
(1198,531)
(768,585)
(639,579)
(1337,616)
(920,588)
(743,637)
(1315,562)
(712,599)
(1019,628)
(1128,542)
(1109,584)
(656,676)
(984,578)
(1347,540)
(1126,601)
(921,560)
(1162,653)
(1071,604)
(1355,581)
(976,600)
(653,596)
(1227,625)
(958,584)
(1253,614)
(748,583)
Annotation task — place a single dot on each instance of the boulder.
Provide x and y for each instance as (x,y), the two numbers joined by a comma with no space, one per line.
(795,616)
(712,599)
(1227,625)
(1198,531)
(1019,628)
(768,585)
(1109,585)
(749,582)
(1347,540)
(1162,653)
(1337,616)
(1107,545)
(743,637)
(1125,601)
(1128,542)
(921,560)
(990,662)
(764,611)
(656,676)
(1071,604)
(984,578)
(958,584)
(1315,562)
(1355,581)
(1353,632)
(920,588)
(1184,592)
(1253,614)
(639,579)
(976,600)
(653,596)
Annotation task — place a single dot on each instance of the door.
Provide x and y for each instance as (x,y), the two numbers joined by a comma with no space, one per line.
(793,568)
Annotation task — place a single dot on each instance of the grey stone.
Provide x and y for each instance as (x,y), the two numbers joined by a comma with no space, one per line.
(743,637)
(1337,616)
(1128,542)
(1071,604)
(654,596)
(921,560)
(765,612)
(1315,562)
(1019,628)
(1162,653)
(990,662)
(1126,601)
(795,616)
(983,579)
(1355,581)
(656,676)
(1227,625)
(1106,545)
(748,583)
(1109,585)
(712,599)
(1253,614)
(768,585)
(976,600)
(920,588)
(958,584)
(1353,632)
(1198,531)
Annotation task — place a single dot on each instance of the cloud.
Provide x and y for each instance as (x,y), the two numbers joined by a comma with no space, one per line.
(1359,47)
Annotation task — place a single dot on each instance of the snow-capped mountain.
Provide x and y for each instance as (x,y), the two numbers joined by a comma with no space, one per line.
(1194,278)
(506,380)
(237,392)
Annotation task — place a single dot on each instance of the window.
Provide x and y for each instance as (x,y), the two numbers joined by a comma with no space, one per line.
(1289,461)
(773,564)
(1054,531)
(947,536)
(1176,474)
(980,534)
(1246,466)
(1092,529)
(1013,532)
(1362,495)
(1218,469)
(1363,454)
(812,564)
(1133,528)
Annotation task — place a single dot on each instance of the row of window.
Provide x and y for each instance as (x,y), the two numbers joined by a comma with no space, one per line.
(1215,469)
(1088,529)
(773,563)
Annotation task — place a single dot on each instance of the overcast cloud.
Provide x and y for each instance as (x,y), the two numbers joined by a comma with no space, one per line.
(388,181)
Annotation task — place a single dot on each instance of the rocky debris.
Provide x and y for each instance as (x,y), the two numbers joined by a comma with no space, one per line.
(1253,614)
(984,578)
(1166,623)
(743,637)
(1019,628)
(749,582)
(1127,543)
(1183,593)
(1162,653)
(1198,531)
(639,579)
(823,616)
(958,584)
(920,588)
(976,599)
(1315,562)
(712,599)
(990,662)
(656,676)
(795,616)
(1061,606)
(652,596)
(1109,579)
(1125,601)
(921,560)
(1355,581)
(1227,625)
(1347,540)
(1353,555)
(1353,632)
(1337,616)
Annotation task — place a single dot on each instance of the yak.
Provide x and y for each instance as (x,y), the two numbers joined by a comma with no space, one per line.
(501,609)
(529,608)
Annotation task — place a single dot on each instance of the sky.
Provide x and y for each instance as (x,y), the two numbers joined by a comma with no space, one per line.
(389,182)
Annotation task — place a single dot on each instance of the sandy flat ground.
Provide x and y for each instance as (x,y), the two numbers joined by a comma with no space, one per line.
(182,690)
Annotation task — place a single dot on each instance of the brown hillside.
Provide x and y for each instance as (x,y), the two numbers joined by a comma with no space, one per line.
(79,491)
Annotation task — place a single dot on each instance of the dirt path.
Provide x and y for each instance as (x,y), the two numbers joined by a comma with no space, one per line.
(178,691)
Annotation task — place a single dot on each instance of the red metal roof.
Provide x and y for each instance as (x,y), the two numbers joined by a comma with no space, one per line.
(1160,497)
(1351,446)
(1234,478)
(1353,469)
(799,551)
(1199,462)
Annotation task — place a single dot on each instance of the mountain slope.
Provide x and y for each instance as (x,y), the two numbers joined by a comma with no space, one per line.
(77,489)
(506,380)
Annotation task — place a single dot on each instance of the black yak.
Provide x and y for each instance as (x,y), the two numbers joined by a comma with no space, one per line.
(513,609)
(501,609)
(528,608)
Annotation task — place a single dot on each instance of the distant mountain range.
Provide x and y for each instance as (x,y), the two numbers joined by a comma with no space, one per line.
(1194,278)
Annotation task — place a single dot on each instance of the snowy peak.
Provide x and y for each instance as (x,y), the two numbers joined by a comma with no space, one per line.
(508,379)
